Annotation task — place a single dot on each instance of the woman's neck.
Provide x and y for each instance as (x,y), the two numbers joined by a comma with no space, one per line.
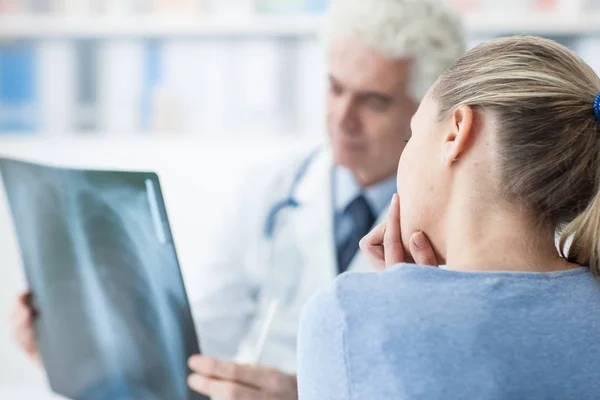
(499,241)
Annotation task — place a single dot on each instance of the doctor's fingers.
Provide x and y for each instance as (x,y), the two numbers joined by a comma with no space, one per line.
(22,315)
(22,326)
(23,303)
(422,251)
(265,379)
(392,240)
(372,246)
(223,390)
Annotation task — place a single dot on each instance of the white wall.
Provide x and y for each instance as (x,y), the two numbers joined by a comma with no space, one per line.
(195,176)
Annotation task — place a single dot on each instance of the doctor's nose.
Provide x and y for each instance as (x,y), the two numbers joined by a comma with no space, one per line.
(346,116)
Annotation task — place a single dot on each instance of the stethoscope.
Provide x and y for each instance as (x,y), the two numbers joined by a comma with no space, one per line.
(274,301)
(289,201)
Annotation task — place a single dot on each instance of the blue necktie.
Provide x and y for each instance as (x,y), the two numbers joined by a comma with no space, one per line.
(362,221)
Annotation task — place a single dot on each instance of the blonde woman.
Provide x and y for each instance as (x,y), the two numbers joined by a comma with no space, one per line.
(505,148)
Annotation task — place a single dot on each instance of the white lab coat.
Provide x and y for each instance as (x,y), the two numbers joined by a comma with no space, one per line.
(240,279)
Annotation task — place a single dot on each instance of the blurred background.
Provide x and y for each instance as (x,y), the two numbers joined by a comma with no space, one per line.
(142,68)
(197,90)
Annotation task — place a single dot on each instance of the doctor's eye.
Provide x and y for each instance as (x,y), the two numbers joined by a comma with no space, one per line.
(406,140)
(378,103)
(335,88)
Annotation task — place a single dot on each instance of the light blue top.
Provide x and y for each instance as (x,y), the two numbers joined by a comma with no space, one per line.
(417,332)
(346,189)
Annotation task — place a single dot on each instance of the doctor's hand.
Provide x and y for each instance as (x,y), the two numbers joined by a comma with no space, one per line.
(230,381)
(22,326)
(383,245)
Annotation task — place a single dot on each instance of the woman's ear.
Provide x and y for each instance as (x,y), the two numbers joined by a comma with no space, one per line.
(458,137)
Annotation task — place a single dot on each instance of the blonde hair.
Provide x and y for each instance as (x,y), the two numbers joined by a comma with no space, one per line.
(429,32)
(548,137)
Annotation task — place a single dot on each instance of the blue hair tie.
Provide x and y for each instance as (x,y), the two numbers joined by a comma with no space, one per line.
(597,107)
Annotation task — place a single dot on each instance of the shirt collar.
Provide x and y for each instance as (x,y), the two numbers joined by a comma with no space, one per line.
(347,188)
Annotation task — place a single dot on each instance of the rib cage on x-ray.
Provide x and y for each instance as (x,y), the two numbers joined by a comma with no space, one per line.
(114,319)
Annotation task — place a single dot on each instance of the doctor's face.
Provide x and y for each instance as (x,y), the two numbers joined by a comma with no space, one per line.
(368,109)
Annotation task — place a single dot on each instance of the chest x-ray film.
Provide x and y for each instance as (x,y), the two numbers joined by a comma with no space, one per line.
(114,322)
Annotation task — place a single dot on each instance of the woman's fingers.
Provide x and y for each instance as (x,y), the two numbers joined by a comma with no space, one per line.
(372,246)
(392,241)
(383,245)
(421,250)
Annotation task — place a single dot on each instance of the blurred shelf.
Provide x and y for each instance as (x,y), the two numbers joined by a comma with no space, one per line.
(134,26)
(218,139)
(280,26)
(143,152)
(534,23)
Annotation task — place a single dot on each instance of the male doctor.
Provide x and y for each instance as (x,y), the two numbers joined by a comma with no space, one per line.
(299,227)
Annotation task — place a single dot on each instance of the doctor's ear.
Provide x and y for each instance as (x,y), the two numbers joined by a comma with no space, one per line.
(459,134)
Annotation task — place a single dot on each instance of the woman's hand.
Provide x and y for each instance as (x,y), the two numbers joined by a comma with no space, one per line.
(383,245)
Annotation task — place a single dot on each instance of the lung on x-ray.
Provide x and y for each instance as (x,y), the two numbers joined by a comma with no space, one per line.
(114,320)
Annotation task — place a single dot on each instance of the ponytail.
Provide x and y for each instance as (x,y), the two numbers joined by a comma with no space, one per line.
(585,229)
(580,240)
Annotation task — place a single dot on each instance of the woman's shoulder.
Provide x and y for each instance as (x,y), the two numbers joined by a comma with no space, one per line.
(404,278)
(411,290)
(354,292)
(369,293)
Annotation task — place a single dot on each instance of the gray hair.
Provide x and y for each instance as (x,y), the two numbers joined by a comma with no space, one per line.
(429,32)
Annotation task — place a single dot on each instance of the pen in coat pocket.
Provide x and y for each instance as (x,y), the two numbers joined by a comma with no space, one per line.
(265,330)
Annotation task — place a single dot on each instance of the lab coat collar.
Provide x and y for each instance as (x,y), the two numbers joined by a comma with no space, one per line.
(347,188)
(314,196)
(316,183)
